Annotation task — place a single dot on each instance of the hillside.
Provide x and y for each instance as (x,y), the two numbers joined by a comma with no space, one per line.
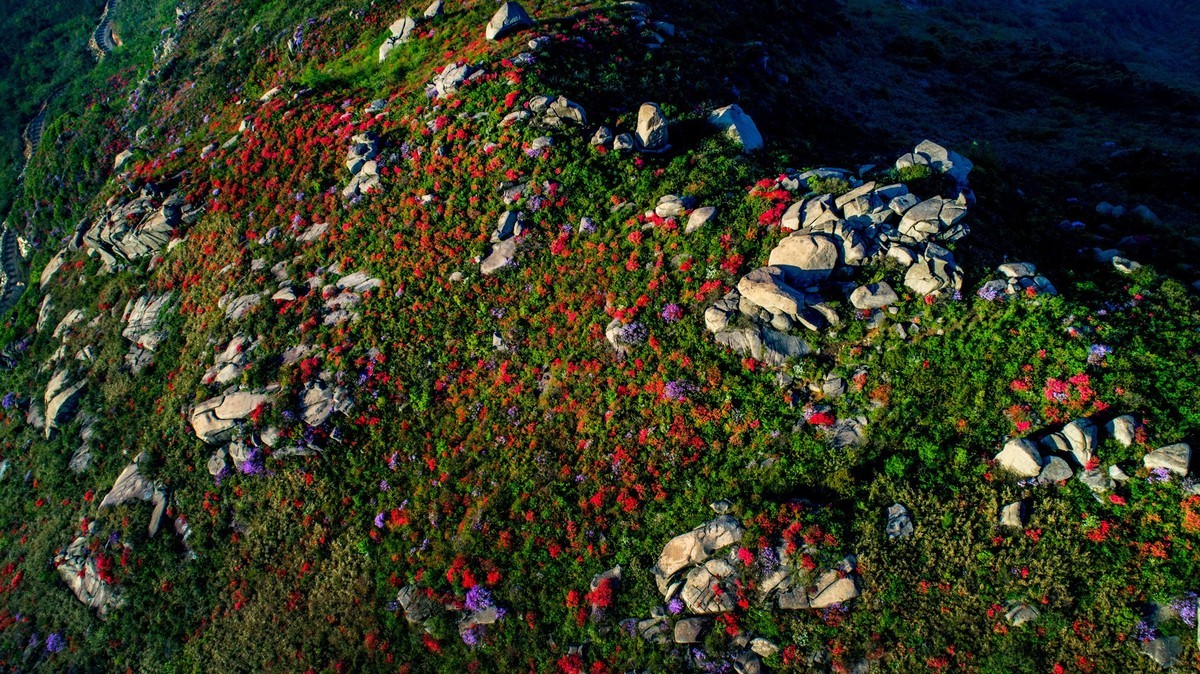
(347,336)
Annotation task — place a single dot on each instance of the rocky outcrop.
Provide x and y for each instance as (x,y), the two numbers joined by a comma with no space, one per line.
(1021,458)
(697,545)
(141,329)
(131,485)
(116,239)
(401,30)
(12,275)
(79,566)
(215,419)
(61,398)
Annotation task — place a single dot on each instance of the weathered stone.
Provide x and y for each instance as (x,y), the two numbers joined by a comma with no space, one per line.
(1017,269)
(1082,436)
(651,131)
(434,10)
(510,17)
(762,647)
(1018,614)
(61,398)
(699,218)
(80,570)
(1164,650)
(1175,458)
(1097,481)
(899,523)
(417,606)
(706,588)
(805,258)
(1123,429)
(737,126)
(697,545)
(214,418)
(1021,458)
(765,288)
(832,587)
(502,255)
(1055,470)
(1013,515)
(873,296)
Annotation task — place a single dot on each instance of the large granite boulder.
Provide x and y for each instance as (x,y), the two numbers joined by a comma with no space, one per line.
(1175,458)
(214,419)
(805,258)
(697,545)
(651,131)
(79,568)
(510,17)
(1020,457)
(873,296)
(737,126)
(765,287)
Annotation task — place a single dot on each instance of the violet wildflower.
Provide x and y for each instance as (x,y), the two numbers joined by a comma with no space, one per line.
(379,521)
(1097,353)
(1144,631)
(672,312)
(10,400)
(634,333)
(478,599)
(677,390)
(587,225)
(675,606)
(55,643)
(1159,475)
(1185,606)
(470,636)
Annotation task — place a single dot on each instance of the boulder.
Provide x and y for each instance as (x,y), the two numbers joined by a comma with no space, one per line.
(772,347)
(1164,651)
(502,255)
(651,128)
(1018,613)
(1013,515)
(899,523)
(1021,458)
(1055,470)
(122,159)
(510,17)
(946,161)
(765,288)
(699,218)
(80,570)
(737,126)
(835,586)
(805,258)
(434,9)
(563,112)
(1123,429)
(1082,438)
(708,588)
(215,418)
(697,545)
(873,296)
(690,630)
(61,398)
(1175,458)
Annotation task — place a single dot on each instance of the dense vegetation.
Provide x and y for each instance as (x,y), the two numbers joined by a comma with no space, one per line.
(530,468)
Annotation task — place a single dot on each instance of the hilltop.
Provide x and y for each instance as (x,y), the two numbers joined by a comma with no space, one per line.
(349,336)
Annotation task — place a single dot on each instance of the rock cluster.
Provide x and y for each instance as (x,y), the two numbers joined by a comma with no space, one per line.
(360,161)
(116,238)
(61,398)
(1017,278)
(509,229)
(832,235)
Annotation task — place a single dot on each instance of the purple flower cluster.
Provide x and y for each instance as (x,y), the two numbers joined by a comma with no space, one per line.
(1144,631)
(55,643)
(10,400)
(478,598)
(1186,607)
(678,391)
(1097,353)
(1159,475)
(634,333)
(990,293)
(587,225)
(672,313)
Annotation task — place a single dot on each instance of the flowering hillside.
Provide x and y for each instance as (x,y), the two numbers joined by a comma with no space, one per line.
(365,336)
